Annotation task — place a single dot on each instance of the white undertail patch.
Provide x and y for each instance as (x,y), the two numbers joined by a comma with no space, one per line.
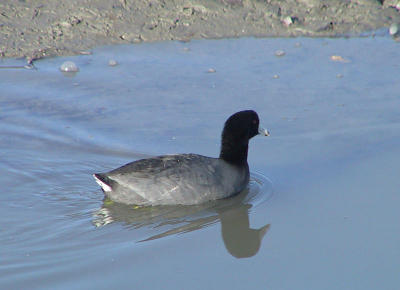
(103,185)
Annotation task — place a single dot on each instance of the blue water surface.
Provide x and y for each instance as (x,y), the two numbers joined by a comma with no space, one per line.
(321,211)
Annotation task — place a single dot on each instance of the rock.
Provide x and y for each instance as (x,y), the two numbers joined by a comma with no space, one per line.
(112,62)
(287,21)
(69,66)
(394,29)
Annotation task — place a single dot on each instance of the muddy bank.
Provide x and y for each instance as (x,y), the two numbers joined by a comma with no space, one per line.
(35,29)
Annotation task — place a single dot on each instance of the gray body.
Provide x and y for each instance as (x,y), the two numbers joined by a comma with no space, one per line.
(174,179)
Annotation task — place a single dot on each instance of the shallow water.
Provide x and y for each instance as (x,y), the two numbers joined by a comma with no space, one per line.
(321,211)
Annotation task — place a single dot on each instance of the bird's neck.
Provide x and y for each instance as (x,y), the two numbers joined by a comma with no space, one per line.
(234,153)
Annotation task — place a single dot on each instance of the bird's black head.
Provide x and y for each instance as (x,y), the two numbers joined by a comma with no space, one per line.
(238,130)
(242,125)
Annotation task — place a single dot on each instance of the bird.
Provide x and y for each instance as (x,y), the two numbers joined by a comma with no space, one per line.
(187,179)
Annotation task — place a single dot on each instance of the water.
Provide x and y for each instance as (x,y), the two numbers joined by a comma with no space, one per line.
(321,211)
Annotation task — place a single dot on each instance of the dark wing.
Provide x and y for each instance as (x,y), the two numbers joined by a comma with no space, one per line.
(169,179)
(160,165)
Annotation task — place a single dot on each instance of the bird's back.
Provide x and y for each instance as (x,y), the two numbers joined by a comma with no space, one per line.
(174,179)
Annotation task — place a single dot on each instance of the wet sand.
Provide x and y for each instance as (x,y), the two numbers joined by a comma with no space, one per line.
(37,29)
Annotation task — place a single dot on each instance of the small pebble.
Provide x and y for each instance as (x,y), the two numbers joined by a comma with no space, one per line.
(276,76)
(85,52)
(339,58)
(69,66)
(112,62)
(287,21)
(211,70)
(280,53)
(394,29)
(339,76)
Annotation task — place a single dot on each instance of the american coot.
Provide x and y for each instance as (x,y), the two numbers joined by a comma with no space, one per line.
(187,178)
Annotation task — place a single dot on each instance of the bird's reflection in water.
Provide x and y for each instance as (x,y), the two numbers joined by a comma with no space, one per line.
(240,240)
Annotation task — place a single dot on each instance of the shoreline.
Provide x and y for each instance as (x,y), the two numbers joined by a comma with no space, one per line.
(52,28)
